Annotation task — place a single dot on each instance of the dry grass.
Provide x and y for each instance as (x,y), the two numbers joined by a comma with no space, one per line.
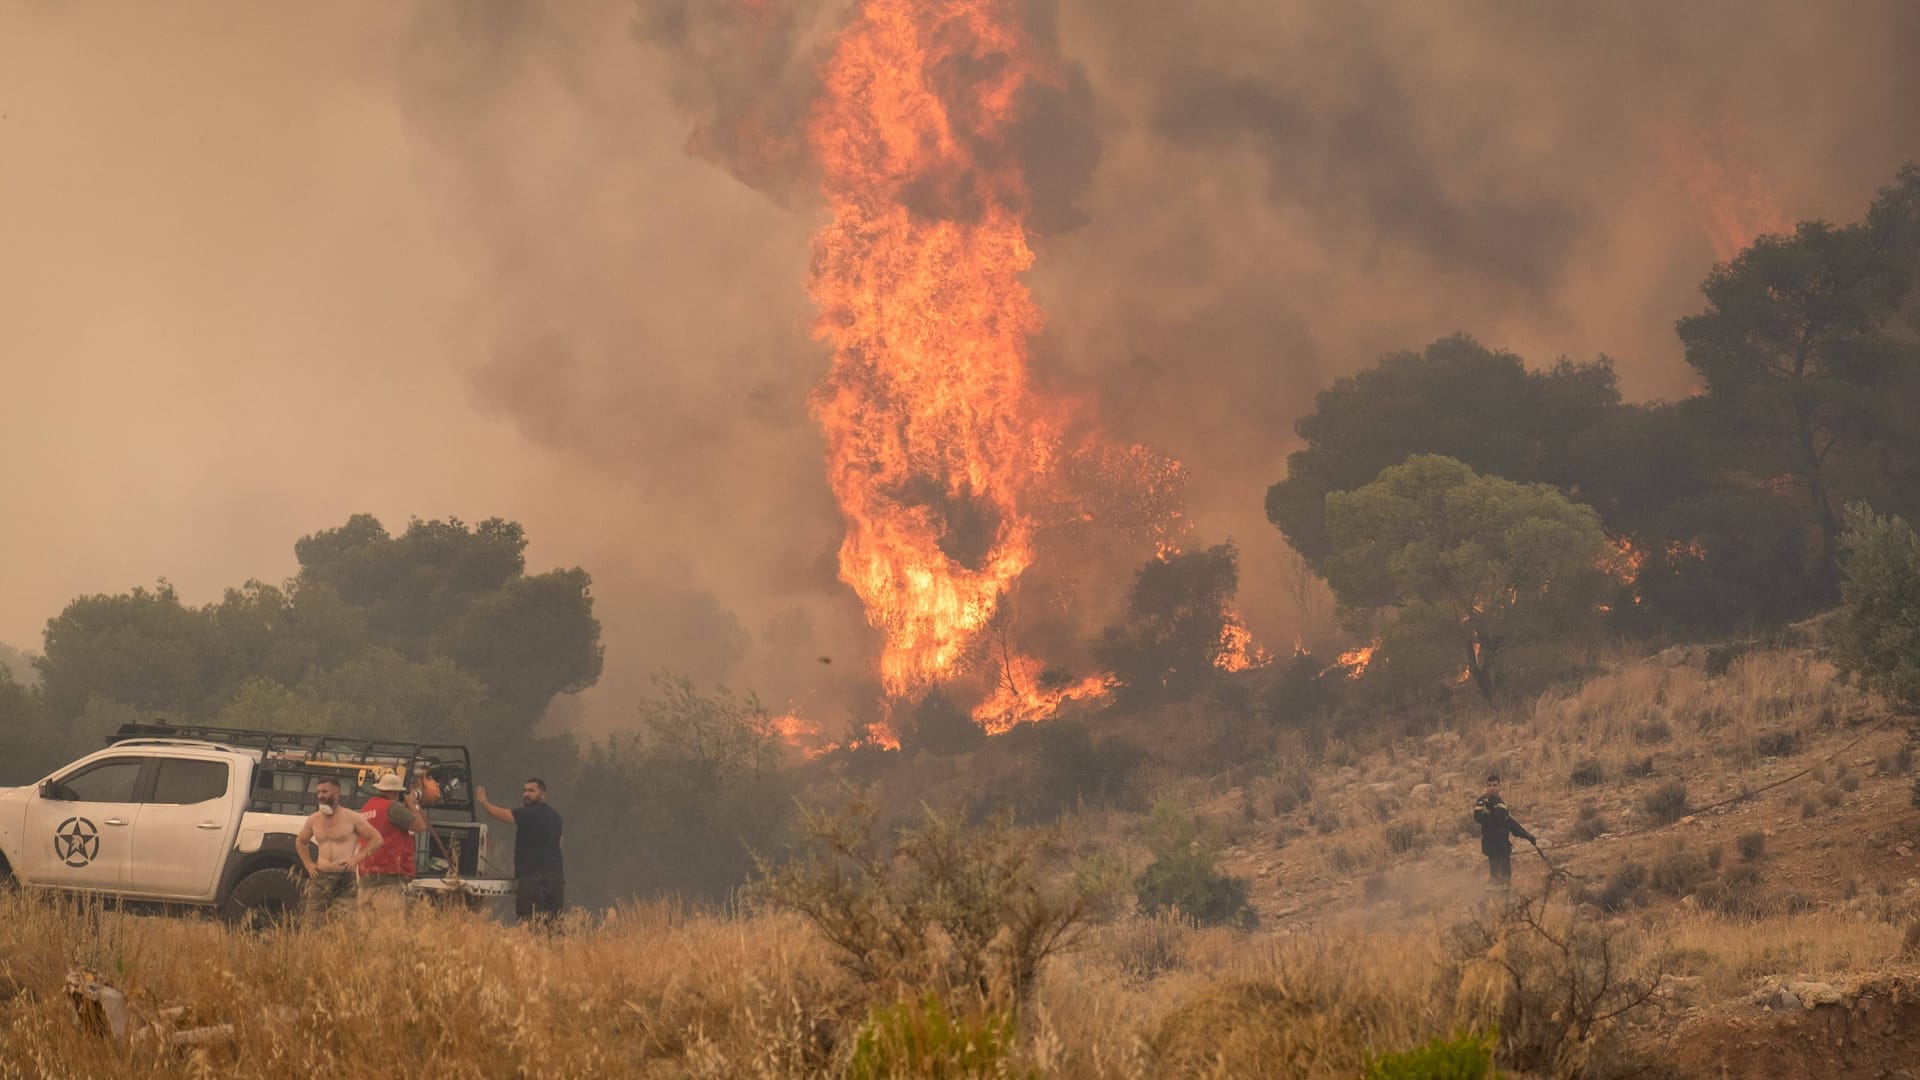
(1731,955)
(654,993)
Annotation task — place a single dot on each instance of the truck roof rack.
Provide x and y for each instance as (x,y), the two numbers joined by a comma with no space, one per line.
(292,764)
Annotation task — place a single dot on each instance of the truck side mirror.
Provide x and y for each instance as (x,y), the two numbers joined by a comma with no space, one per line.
(49,789)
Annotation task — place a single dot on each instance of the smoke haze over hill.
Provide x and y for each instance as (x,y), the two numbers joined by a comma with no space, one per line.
(267,268)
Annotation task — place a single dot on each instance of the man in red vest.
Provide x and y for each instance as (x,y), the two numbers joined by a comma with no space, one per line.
(384,873)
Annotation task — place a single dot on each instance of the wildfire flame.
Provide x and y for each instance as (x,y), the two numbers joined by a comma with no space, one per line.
(1023,694)
(1238,650)
(1733,203)
(935,440)
(1354,661)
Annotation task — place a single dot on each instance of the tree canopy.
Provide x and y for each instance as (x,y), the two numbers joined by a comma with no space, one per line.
(1878,635)
(1474,560)
(437,632)
(1456,398)
(1801,351)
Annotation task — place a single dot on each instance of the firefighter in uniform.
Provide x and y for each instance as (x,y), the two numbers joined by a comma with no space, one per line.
(1497,830)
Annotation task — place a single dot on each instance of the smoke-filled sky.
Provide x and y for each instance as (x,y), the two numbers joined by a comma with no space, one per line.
(265,266)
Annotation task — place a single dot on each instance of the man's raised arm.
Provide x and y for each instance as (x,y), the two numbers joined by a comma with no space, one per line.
(505,817)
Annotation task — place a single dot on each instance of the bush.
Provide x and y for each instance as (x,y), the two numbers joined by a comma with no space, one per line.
(1877,636)
(1736,892)
(1293,788)
(1777,744)
(1640,770)
(1626,887)
(1656,730)
(1568,982)
(1463,1057)
(1809,809)
(1849,782)
(1185,874)
(1587,774)
(1403,837)
(1667,803)
(1590,825)
(1832,796)
(1680,873)
(906,1040)
(968,906)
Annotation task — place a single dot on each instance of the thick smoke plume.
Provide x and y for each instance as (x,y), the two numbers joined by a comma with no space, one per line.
(550,261)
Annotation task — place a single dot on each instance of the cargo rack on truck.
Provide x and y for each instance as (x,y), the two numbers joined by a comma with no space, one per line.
(292,766)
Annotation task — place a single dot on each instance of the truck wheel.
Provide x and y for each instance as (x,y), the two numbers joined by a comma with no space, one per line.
(6,876)
(263,898)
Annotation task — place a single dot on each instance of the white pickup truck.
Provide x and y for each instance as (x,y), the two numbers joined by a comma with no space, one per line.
(206,817)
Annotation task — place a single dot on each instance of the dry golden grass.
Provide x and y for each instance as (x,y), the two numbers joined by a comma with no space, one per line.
(1731,955)
(653,993)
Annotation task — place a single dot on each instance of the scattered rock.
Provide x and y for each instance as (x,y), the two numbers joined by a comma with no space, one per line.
(1811,994)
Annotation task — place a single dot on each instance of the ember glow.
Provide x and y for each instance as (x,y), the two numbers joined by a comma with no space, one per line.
(936,443)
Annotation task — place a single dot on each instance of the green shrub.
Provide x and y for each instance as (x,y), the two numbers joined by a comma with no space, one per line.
(1185,873)
(910,1040)
(1463,1057)
(1667,803)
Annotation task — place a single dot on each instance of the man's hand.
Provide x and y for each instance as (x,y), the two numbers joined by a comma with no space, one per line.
(480,795)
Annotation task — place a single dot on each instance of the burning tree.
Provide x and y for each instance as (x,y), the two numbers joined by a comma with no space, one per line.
(1178,626)
(1444,555)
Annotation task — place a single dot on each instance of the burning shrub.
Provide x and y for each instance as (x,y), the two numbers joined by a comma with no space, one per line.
(1185,874)
(1174,628)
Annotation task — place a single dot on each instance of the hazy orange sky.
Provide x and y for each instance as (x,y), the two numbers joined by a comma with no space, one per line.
(265,266)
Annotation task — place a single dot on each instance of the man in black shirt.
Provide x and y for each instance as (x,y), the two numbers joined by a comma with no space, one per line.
(540,879)
(1497,829)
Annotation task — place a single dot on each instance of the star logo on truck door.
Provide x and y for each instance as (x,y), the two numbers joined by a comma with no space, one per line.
(76,842)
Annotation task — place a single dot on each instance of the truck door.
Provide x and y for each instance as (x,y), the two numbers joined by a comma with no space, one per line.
(79,827)
(185,828)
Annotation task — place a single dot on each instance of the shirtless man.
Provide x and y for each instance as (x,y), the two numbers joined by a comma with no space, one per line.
(338,833)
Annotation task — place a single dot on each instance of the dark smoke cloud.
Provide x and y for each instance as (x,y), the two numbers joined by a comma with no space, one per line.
(550,260)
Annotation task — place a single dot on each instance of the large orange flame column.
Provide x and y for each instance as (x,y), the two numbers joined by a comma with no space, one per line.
(933,437)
